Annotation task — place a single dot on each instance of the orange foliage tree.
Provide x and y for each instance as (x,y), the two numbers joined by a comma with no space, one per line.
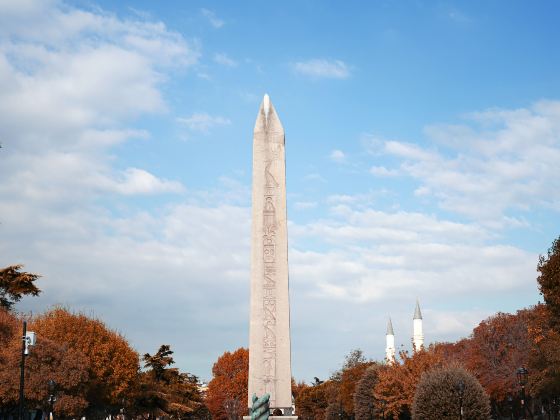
(312,401)
(335,397)
(397,383)
(227,391)
(46,360)
(349,380)
(112,364)
(549,280)
(544,360)
(497,347)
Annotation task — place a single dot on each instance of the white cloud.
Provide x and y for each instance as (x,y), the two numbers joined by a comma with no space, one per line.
(382,171)
(224,60)
(212,18)
(139,181)
(422,192)
(374,255)
(322,68)
(203,122)
(493,168)
(453,323)
(338,156)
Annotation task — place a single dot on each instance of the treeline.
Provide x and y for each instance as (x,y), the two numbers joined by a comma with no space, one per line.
(427,383)
(491,355)
(97,373)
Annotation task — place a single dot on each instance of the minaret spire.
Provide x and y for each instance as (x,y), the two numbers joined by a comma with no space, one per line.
(418,332)
(390,340)
(417,313)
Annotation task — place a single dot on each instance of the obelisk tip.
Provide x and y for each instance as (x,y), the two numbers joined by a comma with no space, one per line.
(266,105)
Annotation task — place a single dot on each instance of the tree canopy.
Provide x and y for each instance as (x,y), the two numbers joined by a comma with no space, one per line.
(112,364)
(14,284)
(227,391)
(443,393)
(47,360)
(165,391)
(549,279)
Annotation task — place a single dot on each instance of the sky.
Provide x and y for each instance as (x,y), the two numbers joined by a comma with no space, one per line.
(422,147)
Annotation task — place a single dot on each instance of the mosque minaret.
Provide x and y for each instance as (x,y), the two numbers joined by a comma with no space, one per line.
(390,348)
(418,332)
(417,336)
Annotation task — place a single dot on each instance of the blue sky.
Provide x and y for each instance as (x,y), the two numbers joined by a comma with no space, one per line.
(422,145)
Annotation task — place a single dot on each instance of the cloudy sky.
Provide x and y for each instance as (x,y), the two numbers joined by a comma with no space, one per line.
(422,143)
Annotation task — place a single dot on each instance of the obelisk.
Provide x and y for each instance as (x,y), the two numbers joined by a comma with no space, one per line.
(269,342)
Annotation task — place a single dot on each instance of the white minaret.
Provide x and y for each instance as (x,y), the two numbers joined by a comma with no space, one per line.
(390,349)
(418,335)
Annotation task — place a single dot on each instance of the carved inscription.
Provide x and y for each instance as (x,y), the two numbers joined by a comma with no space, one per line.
(269,283)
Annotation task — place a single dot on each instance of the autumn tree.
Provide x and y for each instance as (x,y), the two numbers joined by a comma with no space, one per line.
(297,388)
(365,405)
(396,385)
(549,279)
(14,284)
(497,347)
(227,391)
(312,402)
(349,380)
(164,391)
(544,359)
(439,396)
(46,360)
(343,384)
(112,364)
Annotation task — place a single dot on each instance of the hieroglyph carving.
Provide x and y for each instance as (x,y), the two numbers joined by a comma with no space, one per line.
(269,284)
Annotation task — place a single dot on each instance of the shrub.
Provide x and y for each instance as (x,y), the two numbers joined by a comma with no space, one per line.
(437,396)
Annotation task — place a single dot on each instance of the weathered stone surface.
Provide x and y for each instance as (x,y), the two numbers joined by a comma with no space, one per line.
(275,417)
(269,345)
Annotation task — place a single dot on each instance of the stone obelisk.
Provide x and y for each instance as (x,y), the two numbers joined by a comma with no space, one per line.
(269,343)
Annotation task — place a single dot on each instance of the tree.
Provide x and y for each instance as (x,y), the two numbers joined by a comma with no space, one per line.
(112,364)
(227,391)
(544,359)
(164,391)
(397,383)
(497,347)
(335,411)
(46,360)
(438,396)
(312,402)
(549,279)
(349,380)
(159,362)
(14,284)
(343,383)
(354,358)
(364,403)
(297,388)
